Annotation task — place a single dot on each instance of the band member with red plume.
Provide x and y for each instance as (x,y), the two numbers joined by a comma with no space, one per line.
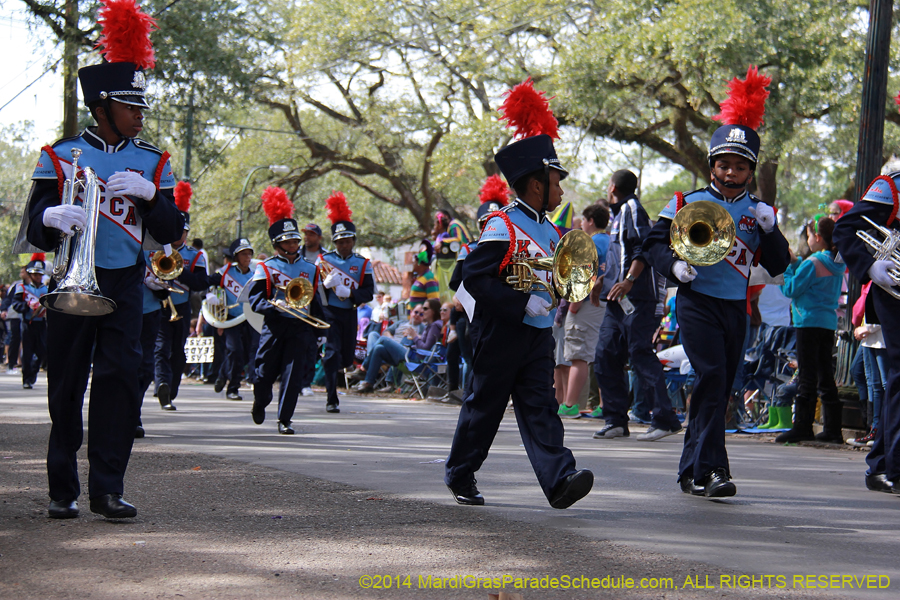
(138,182)
(169,356)
(284,339)
(712,306)
(876,213)
(26,297)
(513,356)
(349,282)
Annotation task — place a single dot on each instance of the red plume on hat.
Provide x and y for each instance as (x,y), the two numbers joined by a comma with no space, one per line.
(276,204)
(39,256)
(746,102)
(336,207)
(528,112)
(494,190)
(183,192)
(125,36)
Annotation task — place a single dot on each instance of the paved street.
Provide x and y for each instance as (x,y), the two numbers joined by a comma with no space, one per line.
(799,510)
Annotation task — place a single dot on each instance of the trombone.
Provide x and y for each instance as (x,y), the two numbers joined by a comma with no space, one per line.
(889,249)
(574,267)
(702,233)
(298,293)
(168,268)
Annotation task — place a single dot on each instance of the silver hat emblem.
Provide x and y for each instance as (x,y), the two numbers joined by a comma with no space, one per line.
(244,242)
(289,226)
(736,135)
(339,227)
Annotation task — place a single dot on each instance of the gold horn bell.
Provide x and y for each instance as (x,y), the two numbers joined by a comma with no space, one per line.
(702,233)
(298,293)
(574,267)
(168,268)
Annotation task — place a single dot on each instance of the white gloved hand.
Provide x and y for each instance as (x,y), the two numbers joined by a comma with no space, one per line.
(332,279)
(342,290)
(153,283)
(34,304)
(66,218)
(537,306)
(879,275)
(212,299)
(683,272)
(129,183)
(321,341)
(765,216)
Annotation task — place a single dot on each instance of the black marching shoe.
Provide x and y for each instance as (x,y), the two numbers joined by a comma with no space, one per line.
(572,489)
(220,384)
(138,432)
(285,428)
(164,395)
(60,509)
(880,483)
(717,485)
(233,396)
(112,506)
(688,486)
(332,408)
(27,386)
(258,413)
(467,494)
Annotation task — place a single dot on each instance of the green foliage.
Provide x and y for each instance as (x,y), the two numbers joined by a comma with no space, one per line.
(18,155)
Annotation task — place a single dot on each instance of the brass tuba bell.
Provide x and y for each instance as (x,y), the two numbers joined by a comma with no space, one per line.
(702,233)
(574,267)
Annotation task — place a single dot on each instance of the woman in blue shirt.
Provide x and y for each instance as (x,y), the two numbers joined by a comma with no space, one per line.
(814,285)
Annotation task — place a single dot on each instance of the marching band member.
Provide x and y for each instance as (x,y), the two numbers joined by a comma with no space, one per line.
(284,338)
(241,341)
(449,236)
(154,293)
(712,300)
(350,281)
(169,353)
(26,300)
(514,347)
(880,205)
(138,184)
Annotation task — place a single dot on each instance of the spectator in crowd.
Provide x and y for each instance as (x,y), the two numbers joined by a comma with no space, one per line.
(394,333)
(631,319)
(582,325)
(814,285)
(312,243)
(14,326)
(560,365)
(391,353)
(424,286)
(875,361)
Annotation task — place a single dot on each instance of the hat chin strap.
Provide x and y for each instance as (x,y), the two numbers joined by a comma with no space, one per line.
(109,117)
(546,203)
(732,186)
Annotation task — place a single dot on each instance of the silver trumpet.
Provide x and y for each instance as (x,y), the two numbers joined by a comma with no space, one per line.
(888,249)
(78,292)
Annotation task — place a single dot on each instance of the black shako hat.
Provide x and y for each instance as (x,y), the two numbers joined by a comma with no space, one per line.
(285,229)
(527,156)
(735,139)
(239,245)
(120,81)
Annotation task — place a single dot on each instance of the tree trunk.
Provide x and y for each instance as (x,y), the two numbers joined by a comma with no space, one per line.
(70,71)
(767,186)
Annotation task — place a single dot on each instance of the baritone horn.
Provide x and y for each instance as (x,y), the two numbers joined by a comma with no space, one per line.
(702,233)
(77,292)
(298,293)
(574,266)
(217,314)
(888,249)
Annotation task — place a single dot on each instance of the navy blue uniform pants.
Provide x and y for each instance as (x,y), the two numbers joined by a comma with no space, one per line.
(241,343)
(112,344)
(712,332)
(149,331)
(34,349)
(168,354)
(340,349)
(526,375)
(15,341)
(309,366)
(282,351)
(623,336)
(885,454)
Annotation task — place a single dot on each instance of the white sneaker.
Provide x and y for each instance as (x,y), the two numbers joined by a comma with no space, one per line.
(609,432)
(654,434)
(13,371)
(307,391)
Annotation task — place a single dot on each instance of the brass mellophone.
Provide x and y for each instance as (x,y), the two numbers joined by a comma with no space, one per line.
(888,249)
(702,233)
